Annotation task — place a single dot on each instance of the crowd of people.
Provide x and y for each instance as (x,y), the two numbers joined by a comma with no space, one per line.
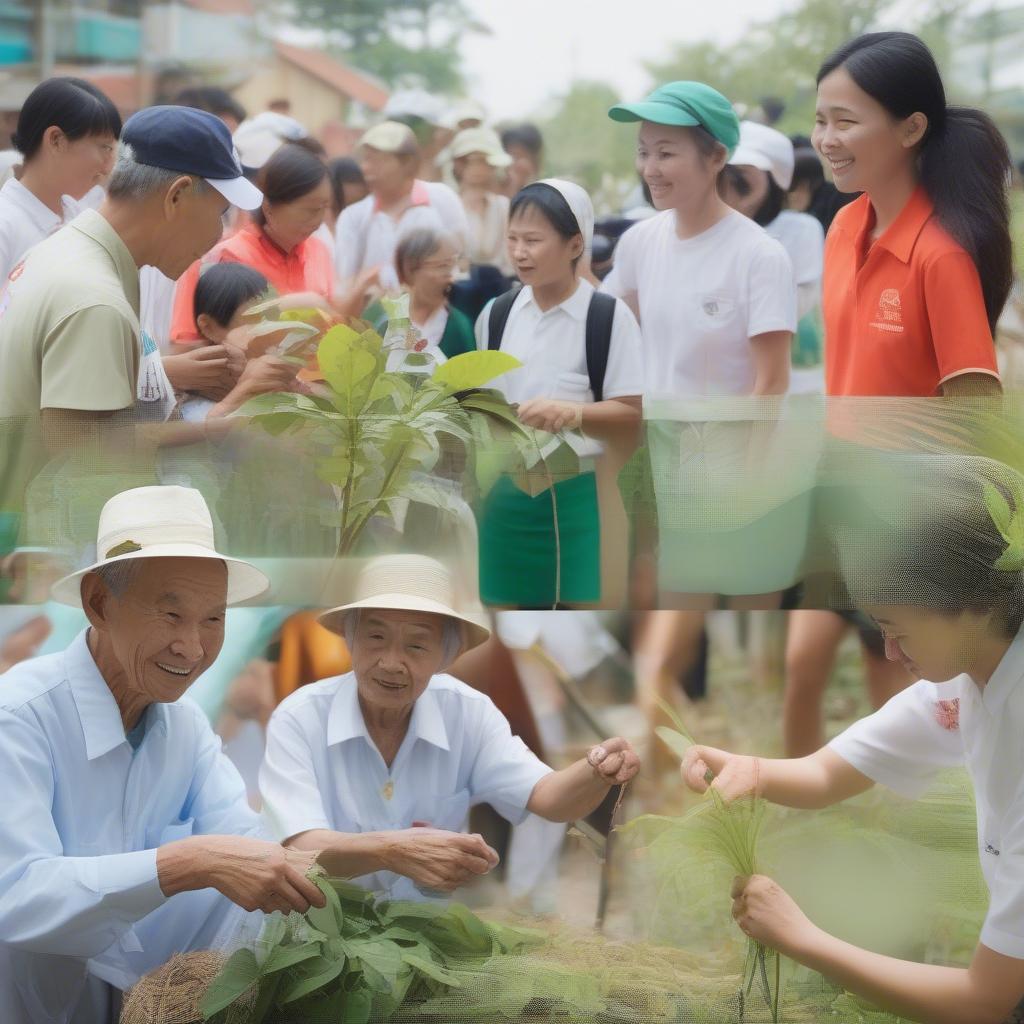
(870,260)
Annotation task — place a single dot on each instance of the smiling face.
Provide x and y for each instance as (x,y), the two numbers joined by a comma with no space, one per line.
(164,630)
(85,163)
(394,655)
(932,645)
(676,170)
(541,256)
(861,142)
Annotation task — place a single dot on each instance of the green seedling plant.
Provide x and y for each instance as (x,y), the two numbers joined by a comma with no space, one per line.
(733,828)
(355,959)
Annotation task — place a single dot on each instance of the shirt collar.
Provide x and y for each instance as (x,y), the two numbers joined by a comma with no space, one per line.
(39,213)
(577,305)
(97,709)
(98,228)
(419,196)
(1009,674)
(902,234)
(345,719)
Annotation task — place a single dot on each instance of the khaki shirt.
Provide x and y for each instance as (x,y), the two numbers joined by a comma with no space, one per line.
(69,324)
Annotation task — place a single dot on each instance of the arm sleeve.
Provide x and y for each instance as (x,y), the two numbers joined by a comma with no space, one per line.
(90,362)
(957,318)
(346,244)
(904,744)
(50,903)
(183,322)
(482,328)
(288,783)
(771,291)
(1003,930)
(622,279)
(624,375)
(505,770)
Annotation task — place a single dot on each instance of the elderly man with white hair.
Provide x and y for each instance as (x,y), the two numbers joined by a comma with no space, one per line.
(125,834)
(378,768)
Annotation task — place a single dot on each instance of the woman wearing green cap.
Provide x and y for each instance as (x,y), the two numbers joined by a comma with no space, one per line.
(716,300)
(945,584)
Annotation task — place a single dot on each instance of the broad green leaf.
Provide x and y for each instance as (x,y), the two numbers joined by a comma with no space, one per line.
(310,976)
(288,956)
(273,933)
(327,919)
(356,1007)
(675,741)
(431,970)
(237,976)
(473,370)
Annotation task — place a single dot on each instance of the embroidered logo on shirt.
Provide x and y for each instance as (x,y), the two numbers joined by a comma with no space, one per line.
(989,848)
(890,315)
(947,714)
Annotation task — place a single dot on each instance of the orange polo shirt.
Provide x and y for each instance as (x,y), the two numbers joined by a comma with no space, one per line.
(307,268)
(904,314)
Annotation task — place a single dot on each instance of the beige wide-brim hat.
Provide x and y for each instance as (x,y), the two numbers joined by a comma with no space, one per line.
(412,583)
(479,140)
(160,522)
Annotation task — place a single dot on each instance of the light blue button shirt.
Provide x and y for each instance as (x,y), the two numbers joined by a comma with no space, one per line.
(323,771)
(80,823)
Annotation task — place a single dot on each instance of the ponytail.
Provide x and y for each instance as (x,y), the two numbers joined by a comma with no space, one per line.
(964,160)
(965,169)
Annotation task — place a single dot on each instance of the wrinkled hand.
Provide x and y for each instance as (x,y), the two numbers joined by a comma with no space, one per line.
(735,775)
(614,761)
(436,859)
(209,370)
(252,873)
(769,915)
(550,414)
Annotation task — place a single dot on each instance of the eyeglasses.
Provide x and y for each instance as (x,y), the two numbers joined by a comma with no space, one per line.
(440,265)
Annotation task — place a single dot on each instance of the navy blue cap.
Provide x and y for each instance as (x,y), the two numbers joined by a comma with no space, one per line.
(191,142)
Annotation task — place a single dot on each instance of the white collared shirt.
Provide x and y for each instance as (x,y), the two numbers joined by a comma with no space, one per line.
(323,771)
(932,726)
(365,236)
(80,823)
(26,220)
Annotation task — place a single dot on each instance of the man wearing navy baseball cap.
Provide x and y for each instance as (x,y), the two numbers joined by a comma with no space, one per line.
(71,347)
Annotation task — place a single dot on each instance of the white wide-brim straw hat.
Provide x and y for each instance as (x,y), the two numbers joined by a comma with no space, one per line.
(413,583)
(160,522)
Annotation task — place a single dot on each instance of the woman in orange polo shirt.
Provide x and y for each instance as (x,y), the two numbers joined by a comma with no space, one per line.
(278,242)
(917,270)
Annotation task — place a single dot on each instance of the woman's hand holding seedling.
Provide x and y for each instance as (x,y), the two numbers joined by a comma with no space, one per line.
(733,775)
(551,415)
(769,915)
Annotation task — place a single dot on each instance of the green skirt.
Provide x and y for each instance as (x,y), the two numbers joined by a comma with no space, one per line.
(518,561)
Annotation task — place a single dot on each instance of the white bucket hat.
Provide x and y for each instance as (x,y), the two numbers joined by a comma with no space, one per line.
(479,140)
(160,522)
(412,583)
(767,149)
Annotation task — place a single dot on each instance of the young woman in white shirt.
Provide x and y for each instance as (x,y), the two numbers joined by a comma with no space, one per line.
(524,561)
(942,573)
(67,135)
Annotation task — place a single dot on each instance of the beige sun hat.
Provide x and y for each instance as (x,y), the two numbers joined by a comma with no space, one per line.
(389,137)
(479,140)
(160,522)
(412,583)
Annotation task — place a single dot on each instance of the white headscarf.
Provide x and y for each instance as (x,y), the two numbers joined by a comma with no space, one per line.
(581,206)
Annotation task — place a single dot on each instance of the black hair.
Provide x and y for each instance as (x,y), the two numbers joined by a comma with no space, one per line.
(211,99)
(292,172)
(75,106)
(931,541)
(964,162)
(525,135)
(773,203)
(551,205)
(223,287)
(343,170)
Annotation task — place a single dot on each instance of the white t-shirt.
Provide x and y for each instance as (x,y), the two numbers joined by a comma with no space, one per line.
(156,305)
(701,300)
(26,220)
(366,236)
(322,770)
(552,346)
(803,238)
(932,726)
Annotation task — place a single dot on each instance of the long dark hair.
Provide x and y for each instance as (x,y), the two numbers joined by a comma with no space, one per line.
(964,161)
(74,105)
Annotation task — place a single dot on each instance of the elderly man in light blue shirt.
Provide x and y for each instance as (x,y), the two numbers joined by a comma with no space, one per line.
(377,769)
(125,834)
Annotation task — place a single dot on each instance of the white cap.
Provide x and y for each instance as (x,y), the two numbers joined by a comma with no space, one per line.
(464,110)
(767,149)
(415,103)
(479,140)
(389,137)
(258,138)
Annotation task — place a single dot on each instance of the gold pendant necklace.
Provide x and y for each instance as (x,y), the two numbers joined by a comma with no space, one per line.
(388,790)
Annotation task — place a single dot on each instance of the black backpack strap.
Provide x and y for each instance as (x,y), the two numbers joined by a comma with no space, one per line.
(500,309)
(600,317)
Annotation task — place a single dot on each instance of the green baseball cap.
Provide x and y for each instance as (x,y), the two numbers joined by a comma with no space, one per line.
(686,105)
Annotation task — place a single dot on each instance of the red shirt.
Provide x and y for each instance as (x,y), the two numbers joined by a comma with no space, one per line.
(307,268)
(904,314)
